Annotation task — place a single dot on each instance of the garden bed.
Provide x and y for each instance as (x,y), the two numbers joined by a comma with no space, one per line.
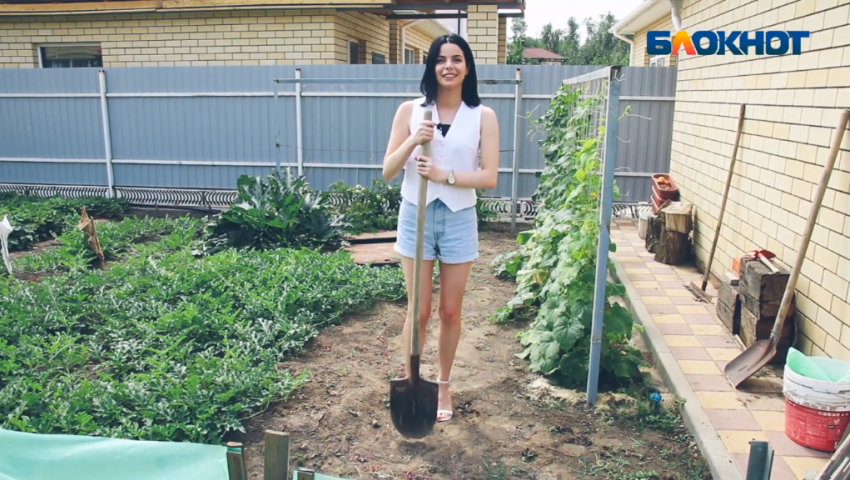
(508,424)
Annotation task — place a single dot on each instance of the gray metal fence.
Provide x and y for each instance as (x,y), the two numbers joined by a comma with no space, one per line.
(182,135)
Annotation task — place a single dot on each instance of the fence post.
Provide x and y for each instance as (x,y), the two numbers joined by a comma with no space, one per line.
(298,123)
(517,143)
(610,159)
(107,141)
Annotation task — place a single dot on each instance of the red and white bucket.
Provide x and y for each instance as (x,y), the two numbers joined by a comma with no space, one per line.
(817,412)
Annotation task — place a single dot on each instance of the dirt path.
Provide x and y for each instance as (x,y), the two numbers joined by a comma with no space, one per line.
(339,422)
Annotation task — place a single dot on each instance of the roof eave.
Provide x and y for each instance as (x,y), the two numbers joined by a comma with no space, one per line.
(645,15)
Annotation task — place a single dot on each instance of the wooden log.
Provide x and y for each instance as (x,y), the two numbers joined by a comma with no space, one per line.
(729,308)
(653,234)
(753,329)
(766,310)
(276,466)
(759,282)
(677,217)
(674,245)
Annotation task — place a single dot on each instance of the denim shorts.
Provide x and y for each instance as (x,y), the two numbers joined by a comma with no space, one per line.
(450,237)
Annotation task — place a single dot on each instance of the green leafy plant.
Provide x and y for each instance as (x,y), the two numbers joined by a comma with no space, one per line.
(278,210)
(38,219)
(116,239)
(166,346)
(366,209)
(555,265)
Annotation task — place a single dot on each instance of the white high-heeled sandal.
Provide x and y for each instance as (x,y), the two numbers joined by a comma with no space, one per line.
(446,414)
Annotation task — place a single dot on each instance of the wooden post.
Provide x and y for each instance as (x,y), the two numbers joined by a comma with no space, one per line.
(236,462)
(276,465)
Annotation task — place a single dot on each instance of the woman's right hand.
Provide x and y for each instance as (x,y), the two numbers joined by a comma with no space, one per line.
(425,133)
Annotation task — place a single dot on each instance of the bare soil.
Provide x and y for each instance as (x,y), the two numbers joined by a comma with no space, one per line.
(508,423)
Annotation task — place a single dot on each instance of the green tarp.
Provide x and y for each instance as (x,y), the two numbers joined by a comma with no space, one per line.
(29,456)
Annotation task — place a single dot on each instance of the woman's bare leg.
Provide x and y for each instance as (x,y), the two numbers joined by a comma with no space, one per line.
(452,288)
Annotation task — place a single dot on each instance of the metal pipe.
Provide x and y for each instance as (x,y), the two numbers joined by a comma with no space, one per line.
(298,124)
(610,158)
(517,140)
(107,141)
(631,42)
(401,38)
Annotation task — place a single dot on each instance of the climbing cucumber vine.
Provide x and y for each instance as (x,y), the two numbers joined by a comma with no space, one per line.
(554,266)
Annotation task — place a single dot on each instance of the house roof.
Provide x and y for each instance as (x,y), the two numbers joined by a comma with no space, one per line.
(649,12)
(540,54)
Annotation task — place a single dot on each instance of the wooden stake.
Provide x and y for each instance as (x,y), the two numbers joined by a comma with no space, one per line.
(236,462)
(276,465)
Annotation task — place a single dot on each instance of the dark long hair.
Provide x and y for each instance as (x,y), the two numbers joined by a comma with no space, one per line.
(469,87)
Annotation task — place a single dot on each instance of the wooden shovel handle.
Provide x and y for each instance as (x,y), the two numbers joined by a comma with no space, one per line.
(838,136)
(417,262)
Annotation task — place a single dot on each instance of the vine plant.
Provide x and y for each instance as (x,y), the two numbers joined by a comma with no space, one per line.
(554,266)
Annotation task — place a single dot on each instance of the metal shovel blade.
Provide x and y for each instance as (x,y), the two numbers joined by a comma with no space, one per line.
(750,361)
(413,405)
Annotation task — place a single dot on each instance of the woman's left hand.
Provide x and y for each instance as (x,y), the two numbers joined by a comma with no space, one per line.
(425,167)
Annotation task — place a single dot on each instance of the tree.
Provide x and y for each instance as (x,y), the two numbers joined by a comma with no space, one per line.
(551,38)
(599,48)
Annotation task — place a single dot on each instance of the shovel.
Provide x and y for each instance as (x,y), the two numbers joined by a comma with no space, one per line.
(413,401)
(761,352)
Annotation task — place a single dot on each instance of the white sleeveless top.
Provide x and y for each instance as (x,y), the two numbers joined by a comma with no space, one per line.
(457,151)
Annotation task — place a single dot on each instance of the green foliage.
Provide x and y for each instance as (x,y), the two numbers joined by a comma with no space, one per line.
(278,210)
(599,48)
(556,263)
(366,209)
(375,208)
(38,219)
(164,346)
(116,239)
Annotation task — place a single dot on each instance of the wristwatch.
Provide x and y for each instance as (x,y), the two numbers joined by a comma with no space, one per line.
(451,179)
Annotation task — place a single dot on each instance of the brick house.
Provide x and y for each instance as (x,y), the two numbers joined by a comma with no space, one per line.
(793,104)
(71,33)
(650,15)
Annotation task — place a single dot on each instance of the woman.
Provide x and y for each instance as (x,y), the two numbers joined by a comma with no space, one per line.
(450,89)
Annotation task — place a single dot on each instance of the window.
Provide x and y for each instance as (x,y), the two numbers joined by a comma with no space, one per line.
(658,61)
(70,56)
(353,52)
(408,56)
(378,58)
(424,59)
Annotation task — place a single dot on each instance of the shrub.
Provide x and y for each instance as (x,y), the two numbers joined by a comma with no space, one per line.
(278,210)
(366,209)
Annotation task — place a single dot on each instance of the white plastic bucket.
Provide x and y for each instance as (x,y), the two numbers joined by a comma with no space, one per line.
(818,394)
(643,222)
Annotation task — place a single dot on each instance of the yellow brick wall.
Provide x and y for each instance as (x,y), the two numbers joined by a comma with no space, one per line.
(639,55)
(370,30)
(503,40)
(483,33)
(419,41)
(207,38)
(793,104)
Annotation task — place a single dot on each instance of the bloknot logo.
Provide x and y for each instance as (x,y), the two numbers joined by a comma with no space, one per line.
(720,42)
